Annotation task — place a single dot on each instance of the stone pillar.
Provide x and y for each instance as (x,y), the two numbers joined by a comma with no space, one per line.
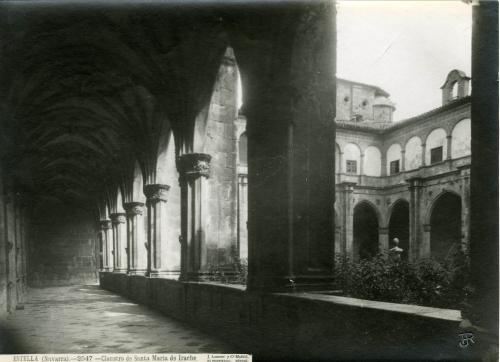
(156,202)
(361,164)
(383,240)
(10,249)
(415,237)
(291,154)
(425,248)
(448,147)
(383,160)
(465,197)
(403,161)
(19,249)
(341,163)
(423,154)
(346,211)
(107,259)
(194,170)
(137,252)
(484,198)
(118,221)
(242,216)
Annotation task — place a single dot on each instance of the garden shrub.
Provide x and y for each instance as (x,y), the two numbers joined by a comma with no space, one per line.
(424,282)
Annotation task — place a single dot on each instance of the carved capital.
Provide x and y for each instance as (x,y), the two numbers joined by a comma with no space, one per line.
(118,218)
(134,208)
(193,165)
(415,182)
(156,192)
(105,224)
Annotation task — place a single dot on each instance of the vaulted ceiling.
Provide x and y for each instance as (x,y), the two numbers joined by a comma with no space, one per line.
(86,89)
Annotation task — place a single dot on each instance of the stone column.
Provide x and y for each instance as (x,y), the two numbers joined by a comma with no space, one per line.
(415,237)
(107,259)
(346,216)
(383,240)
(425,248)
(403,161)
(484,196)
(448,147)
(156,202)
(291,153)
(361,164)
(242,216)
(118,221)
(423,154)
(194,170)
(341,163)
(137,252)
(465,197)
(383,160)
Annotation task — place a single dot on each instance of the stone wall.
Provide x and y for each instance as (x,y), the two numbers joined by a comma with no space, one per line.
(299,325)
(62,246)
(14,223)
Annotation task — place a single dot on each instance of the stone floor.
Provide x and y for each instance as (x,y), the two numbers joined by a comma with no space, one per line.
(87,319)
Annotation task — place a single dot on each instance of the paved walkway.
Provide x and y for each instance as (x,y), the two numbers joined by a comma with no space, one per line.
(87,319)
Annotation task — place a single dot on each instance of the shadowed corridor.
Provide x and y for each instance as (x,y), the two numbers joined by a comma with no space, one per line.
(87,319)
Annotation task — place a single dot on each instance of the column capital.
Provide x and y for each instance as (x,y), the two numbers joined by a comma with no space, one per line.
(134,208)
(105,224)
(156,192)
(415,182)
(347,186)
(194,165)
(118,218)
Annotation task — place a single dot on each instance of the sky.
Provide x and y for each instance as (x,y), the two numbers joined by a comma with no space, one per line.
(405,47)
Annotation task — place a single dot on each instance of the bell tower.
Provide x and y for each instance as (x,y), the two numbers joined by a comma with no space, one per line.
(455,87)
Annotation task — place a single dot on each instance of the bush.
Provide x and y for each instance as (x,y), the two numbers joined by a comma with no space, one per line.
(424,282)
(235,273)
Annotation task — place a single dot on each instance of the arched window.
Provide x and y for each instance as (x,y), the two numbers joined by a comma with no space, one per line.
(454,91)
(413,153)
(460,139)
(372,162)
(394,159)
(352,157)
(436,147)
(242,150)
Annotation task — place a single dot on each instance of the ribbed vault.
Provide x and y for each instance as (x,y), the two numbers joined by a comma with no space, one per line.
(85,92)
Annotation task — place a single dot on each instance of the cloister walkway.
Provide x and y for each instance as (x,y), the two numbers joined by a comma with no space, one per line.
(87,319)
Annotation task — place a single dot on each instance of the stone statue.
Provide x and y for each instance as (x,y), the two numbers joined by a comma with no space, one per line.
(395,252)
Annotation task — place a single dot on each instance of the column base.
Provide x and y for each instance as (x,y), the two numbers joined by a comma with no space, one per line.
(141,272)
(167,274)
(291,284)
